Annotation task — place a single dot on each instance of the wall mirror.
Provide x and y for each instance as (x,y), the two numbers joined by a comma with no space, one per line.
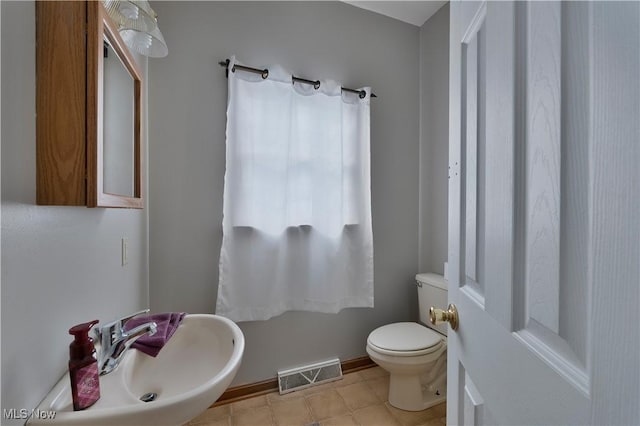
(117,156)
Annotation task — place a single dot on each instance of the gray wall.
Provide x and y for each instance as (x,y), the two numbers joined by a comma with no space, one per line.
(187,103)
(434,140)
(60,265)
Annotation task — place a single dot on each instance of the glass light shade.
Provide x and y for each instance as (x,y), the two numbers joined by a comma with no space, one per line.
(135,14)
(147,43)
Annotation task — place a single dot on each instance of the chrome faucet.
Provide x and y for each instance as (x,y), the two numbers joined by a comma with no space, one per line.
(114,340)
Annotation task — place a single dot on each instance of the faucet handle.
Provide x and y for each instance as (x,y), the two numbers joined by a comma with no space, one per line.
(111,331)
(122,321)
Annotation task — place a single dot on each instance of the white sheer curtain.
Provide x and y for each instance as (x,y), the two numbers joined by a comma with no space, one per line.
(297,199)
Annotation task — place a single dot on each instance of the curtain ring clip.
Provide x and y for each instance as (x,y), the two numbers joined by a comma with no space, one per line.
(316,84)
(265,74)
(362,94)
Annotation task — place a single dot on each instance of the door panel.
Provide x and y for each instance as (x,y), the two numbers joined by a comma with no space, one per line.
(500,150)
(551,303)
(542,164)
(473,407)
(473,153)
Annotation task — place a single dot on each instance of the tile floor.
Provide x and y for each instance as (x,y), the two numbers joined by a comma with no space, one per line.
(360,398)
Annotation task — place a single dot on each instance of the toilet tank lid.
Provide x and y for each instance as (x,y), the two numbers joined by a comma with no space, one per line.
(435,280)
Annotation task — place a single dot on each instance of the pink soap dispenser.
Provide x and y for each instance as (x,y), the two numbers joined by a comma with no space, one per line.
(83,367)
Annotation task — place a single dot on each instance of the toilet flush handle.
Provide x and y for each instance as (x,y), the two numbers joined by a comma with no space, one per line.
(438,316)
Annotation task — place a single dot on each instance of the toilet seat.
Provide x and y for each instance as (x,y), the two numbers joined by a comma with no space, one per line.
(405,339)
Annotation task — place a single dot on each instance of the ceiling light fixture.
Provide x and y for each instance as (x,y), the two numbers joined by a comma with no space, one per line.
(148,43)
(138,25)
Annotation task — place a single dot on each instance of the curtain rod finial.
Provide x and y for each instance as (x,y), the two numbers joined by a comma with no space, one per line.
(225,64)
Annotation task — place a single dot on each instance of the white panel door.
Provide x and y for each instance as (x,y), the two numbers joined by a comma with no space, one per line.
(544,213)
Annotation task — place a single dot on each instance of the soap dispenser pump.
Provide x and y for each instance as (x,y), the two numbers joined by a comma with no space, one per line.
(83,367)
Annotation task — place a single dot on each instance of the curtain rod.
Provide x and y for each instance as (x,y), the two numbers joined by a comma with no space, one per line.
(265,73)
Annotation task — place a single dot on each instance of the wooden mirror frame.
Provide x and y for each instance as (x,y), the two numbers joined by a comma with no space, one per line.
(100,26)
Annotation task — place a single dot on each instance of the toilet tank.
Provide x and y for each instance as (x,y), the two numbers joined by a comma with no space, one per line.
(432,291)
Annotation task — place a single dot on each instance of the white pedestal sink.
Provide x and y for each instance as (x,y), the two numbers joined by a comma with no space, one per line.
(191,372)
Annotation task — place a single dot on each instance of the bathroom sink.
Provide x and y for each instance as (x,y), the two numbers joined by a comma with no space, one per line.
(192,370)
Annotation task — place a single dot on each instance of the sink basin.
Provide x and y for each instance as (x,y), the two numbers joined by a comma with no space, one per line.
(192,370)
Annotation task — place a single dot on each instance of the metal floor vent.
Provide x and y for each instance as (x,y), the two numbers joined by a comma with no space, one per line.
(309,375)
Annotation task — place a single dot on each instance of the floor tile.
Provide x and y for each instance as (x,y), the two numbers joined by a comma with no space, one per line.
(439,410)
(410,418)
(327,404)
(276,397)
(293,412)
(358,399)
(358,395)
(432,422)
(317,388)
(372,373)
(223,421)
(221,412)
(375,415)
(255,402)
(380,386)
(348,379)
(253,417)
(347,420)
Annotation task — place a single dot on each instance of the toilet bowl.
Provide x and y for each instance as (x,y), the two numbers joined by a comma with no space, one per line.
(414,354)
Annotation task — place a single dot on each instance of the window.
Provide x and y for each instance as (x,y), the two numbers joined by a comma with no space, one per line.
(297,157)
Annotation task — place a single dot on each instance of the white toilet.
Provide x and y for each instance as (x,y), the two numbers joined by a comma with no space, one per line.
(415,355)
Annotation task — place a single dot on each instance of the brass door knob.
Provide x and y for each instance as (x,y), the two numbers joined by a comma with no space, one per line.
(438,316)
